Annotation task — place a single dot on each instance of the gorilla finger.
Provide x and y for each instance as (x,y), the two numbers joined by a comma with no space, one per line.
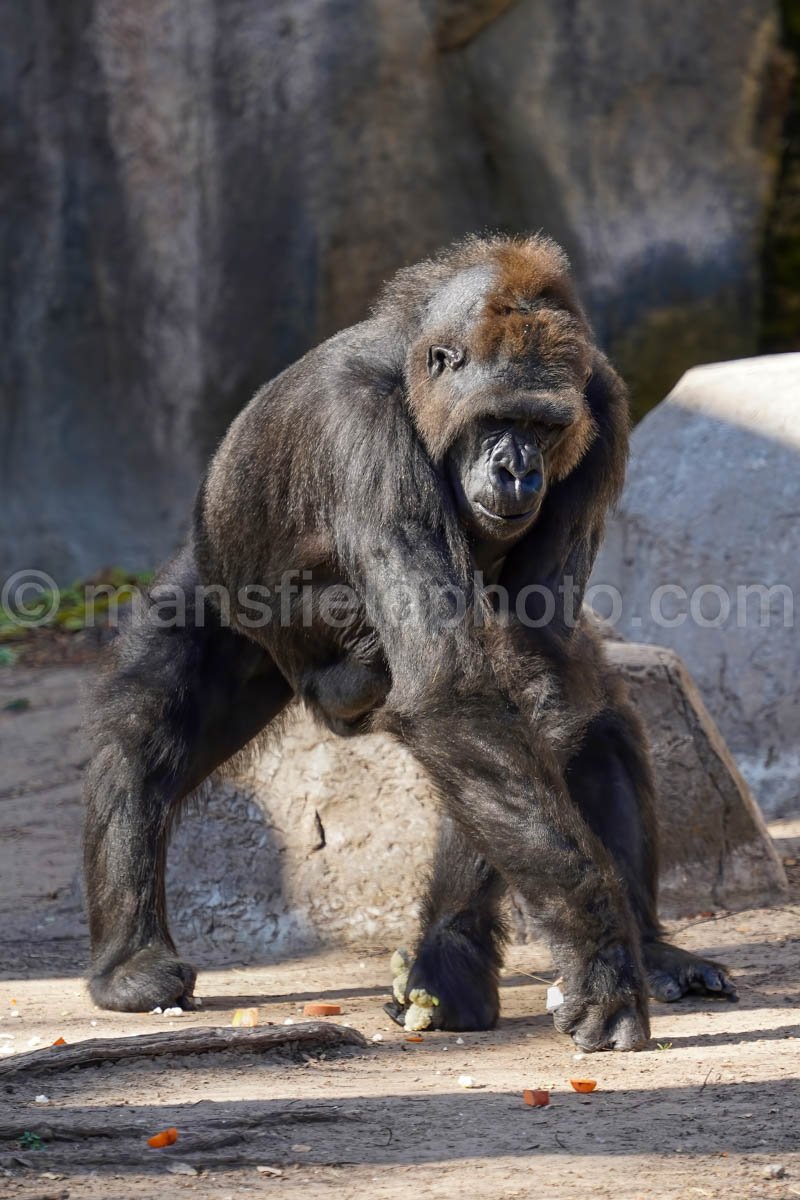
(628,1031)
(591,1033)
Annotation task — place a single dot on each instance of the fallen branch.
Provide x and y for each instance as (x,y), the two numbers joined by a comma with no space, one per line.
(204,1040)
(207,1134)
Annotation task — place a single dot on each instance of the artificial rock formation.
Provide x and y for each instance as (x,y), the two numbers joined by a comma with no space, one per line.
(325,839)
(704,552)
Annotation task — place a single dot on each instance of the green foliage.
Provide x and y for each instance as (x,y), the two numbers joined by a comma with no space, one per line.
(82,604)
(791,22)
(780,324)
(31,1141)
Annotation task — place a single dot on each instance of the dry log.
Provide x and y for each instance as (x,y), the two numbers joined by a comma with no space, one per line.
(319,1035)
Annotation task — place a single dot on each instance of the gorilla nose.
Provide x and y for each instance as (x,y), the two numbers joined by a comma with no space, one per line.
(516,471)
(528,479)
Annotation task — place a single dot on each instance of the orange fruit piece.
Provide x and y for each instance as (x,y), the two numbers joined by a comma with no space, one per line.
(59,1042)
(415,1039)
(319,1009)
(536,1097)
(167,1137)
(583,1085)
(245,1016)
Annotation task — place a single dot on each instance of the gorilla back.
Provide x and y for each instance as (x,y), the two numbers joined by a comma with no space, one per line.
(468,432)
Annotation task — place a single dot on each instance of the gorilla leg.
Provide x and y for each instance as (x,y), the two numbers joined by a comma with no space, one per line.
(174,705)
(610,780)
(459,953)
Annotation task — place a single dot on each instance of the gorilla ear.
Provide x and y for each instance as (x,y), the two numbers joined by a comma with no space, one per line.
(440,357)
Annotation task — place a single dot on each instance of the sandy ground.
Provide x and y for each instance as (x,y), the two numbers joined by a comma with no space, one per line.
(707,1111)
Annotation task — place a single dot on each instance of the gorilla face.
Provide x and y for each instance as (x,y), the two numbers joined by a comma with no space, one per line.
(514,426)
(498,389)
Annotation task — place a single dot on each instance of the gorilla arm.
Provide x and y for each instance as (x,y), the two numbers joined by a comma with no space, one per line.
(501,783)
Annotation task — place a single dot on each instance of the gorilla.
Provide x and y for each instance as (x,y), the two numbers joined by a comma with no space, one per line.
(398,531)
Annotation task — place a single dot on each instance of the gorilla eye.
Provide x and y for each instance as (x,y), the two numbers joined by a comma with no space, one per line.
(549,433)
(440,357)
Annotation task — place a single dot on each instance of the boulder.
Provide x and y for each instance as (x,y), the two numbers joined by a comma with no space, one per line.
(194,194)
(704,555)
(327,840)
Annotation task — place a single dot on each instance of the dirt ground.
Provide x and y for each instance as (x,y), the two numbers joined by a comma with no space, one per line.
(709,1110)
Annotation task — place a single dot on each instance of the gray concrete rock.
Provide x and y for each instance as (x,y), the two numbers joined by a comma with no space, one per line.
(711,508)
(193,194)
(328,840)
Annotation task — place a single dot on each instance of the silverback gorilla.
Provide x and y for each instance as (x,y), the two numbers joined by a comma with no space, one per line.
(469,433)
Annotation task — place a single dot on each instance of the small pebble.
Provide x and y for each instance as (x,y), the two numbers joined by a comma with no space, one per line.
(774,1171)
(466,1081)
(289,1021)
(181,1168)
(301,1147)
(459,1041)
(269,1171)
(41,1099)
(175,1011)
(377,1037)
(158,1009)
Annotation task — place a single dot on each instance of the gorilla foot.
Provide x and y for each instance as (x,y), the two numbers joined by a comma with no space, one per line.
(152,977)
(460,972)
(605,1008)
(672,973)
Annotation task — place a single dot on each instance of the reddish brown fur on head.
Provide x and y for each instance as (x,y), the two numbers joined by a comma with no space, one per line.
(523,330)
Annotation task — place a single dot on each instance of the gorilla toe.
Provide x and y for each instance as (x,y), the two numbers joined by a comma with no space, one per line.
(153,977)
(673,973)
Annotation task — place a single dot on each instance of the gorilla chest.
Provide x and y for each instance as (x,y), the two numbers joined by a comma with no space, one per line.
(332,656)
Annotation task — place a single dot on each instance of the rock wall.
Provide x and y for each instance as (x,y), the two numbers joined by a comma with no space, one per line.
(194,194)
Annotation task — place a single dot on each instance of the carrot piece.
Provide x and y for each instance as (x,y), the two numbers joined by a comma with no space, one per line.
(167,1137)
(319,1009)
(245,1016)
(536,1097)
(415,1039)
(583,1085)
(59,1042)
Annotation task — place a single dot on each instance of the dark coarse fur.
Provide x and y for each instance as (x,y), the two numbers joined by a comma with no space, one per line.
(364,472)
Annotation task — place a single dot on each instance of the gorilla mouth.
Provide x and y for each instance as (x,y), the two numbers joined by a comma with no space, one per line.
(505,517)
